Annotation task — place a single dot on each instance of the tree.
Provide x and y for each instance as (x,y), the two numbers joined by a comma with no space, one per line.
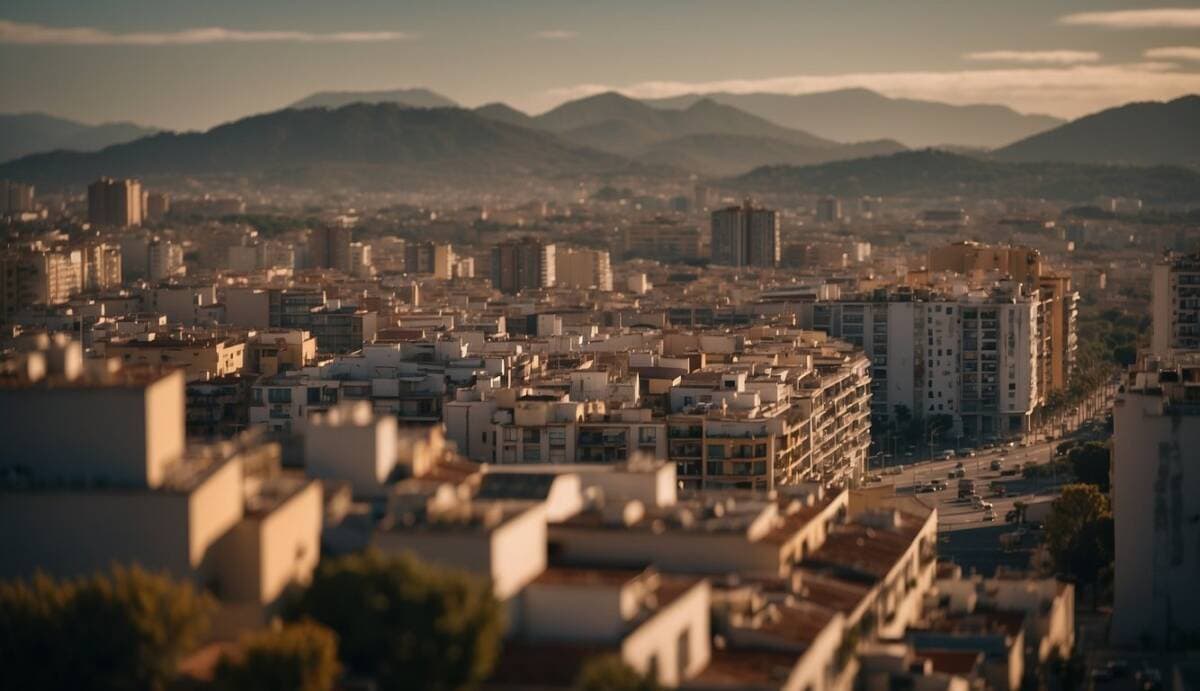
(1079,532)
(125,629)
(407,624)
(301,656)
(610,673)
(1091,464)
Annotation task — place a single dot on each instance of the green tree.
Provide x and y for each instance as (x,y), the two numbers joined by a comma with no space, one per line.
(300,656)
(1091,463)
(124,629)
(1079,532)
(405,623)
(610,673)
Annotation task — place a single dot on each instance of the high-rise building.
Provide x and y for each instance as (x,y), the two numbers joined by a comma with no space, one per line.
(583,268)
(1175,299)
(829,210)
(525,264)
(15,197)
(37,277)
(101,266)
(114,202)
(662,239)
(329,248)
(1155,500)
(745,236)
(158,204)
(428,257)
(164,259)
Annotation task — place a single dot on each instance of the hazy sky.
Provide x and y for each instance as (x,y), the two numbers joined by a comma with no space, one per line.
(195,63)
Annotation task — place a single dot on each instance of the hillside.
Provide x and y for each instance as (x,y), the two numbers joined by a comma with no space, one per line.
(620,124)
(705,137)
(413,98)
(1149,133)
(381,138)
(937,174)
(727,154)
(859,114)
(27,133)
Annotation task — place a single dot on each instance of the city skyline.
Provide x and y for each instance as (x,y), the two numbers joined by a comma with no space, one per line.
(179,67)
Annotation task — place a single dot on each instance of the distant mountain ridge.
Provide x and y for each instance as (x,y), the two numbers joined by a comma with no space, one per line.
(385,138)
(412,98)
(1147,133)
(861,115)
(705,137)
(932,174)
(26,133)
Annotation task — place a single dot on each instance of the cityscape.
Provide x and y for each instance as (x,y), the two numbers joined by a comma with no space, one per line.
(644,361)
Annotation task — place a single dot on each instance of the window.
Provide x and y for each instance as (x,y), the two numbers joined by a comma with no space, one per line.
(715,468)
(531,453)
(258,397)
(279,395)
(647,435)
(531,435)
(314,394)
(716,451)
(510,434)
(558,436)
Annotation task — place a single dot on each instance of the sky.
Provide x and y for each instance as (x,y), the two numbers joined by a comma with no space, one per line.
(196,63)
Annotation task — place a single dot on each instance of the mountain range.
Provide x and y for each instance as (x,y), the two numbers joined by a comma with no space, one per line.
(930,173)
(412,98)
(27,133)
(859,114)
(1147,133)
(371,142)
(705,137)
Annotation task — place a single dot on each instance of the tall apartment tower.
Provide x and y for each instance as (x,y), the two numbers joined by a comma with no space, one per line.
(428,257)
(114,202)
(1175,304)
(329,248)
(15,197)
(829,210)
(526,264)
(745,236)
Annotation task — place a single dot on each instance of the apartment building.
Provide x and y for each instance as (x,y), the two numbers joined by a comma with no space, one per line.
(583,268)
(116,203)
(1021,264)
(1175,304)
(125,488)
(663,239)
(1155,497)
(199,358)
(38,276)
(745,236)
(525,264)
(15,198)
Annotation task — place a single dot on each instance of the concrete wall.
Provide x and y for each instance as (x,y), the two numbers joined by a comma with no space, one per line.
(659,639)
(123,435)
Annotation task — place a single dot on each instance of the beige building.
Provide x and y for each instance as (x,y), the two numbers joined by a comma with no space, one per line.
(1175,304)
(664,239)
(1021,264)
(38,276)
(583,268)
(122,487)
(199,358)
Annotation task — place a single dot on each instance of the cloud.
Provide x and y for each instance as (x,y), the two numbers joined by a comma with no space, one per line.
(1067,91)
(557,34)
(1159,18)
(38,34)
(1048,57)
(1174,53)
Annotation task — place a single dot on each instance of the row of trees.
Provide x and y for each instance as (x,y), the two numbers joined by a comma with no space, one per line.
(392,619)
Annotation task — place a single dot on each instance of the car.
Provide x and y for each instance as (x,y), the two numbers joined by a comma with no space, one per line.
(996,465)
(1008,472)
(989,515)
(874,478)
(894,470)
(1003,452)
(958,466)
(923,488)
(938,485)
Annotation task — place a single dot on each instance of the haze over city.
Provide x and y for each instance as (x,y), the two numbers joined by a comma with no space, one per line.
(622,346)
